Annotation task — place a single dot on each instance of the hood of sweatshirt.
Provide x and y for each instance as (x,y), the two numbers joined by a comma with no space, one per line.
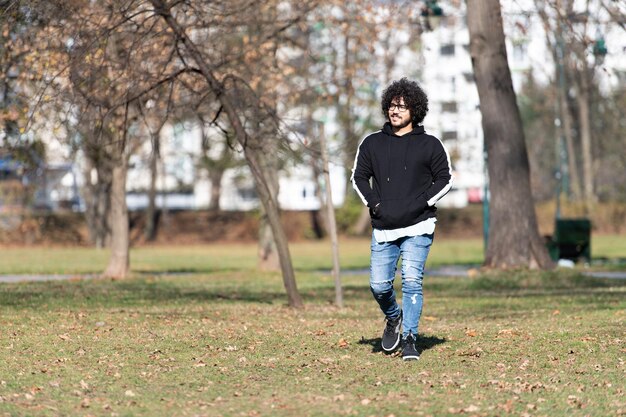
(418,130)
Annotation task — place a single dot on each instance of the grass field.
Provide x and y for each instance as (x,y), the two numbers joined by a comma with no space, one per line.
(219,341)
(307,256)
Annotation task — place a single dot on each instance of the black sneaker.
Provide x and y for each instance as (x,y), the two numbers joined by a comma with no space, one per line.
(391,334)
(409,353)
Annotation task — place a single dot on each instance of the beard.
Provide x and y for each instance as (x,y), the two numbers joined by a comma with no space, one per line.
(400,124)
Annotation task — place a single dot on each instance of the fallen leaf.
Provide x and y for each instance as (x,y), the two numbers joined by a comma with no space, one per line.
(508,332)
(129,393)
(476,352)
(365,401)
(343,343)
(471,333)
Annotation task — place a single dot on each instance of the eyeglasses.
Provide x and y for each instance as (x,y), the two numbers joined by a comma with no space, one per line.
(400,107)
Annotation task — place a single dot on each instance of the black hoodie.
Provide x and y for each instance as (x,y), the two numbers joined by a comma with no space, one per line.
(410,173)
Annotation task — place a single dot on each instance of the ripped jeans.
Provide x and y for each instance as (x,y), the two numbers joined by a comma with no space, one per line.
(414,251)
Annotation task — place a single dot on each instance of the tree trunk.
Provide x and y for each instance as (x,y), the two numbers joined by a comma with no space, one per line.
(363,223)
(320,217)
(96,194)
(151,211)
(119,262)
(332,225)
(251,153)
(571,152)
(268,254)
(215,176)
(514,239)
(583,97)
(559,56)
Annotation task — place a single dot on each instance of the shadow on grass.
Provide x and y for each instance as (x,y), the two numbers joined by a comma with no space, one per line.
(152,291)
(142,292)
(423,343)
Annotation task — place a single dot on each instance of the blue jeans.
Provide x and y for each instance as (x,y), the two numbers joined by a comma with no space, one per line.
(414,251)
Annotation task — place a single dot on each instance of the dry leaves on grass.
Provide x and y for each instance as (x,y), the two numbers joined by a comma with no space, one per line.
(475,352)
(471,333)
(464,410)
(508,333)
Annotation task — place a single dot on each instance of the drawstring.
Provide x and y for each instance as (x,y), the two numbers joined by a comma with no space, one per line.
(406,151)
(388,158)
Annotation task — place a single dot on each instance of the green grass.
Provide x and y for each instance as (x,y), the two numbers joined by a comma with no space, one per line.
(307,256)
(221,342)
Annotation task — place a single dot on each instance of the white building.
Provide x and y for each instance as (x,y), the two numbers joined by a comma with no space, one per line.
(183,184)
(447,77)
(442,65)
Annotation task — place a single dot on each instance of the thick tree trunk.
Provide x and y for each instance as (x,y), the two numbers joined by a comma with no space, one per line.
(251,153)
(215,176)
(119,262)
(514,239)
(96,194)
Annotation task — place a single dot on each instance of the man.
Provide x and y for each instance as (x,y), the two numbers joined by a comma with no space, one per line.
(410,172)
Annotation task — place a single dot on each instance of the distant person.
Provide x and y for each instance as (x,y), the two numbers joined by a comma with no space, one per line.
(409,172)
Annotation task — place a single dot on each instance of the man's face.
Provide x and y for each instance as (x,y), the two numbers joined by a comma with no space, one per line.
(399,114)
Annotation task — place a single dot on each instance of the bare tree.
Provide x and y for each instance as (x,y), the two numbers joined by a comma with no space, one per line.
(218,155)
(577,61)
(233,93)
(514,239)
(97,55)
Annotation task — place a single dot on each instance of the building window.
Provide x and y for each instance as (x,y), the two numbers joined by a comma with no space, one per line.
(519,52)
(469,77)
(447,50)
(449,135)
(449,107)
(247,194)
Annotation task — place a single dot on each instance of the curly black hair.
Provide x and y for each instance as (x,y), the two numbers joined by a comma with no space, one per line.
(414,97)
